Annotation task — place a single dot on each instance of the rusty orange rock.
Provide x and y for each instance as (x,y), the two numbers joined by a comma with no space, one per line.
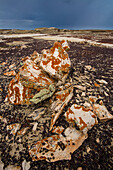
(96,85)
(10,73)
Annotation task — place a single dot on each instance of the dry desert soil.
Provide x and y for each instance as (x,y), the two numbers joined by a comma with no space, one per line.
(91,54)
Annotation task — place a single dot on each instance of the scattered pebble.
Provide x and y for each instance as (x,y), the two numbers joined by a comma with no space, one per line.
(79,168)
(102,81)
(80,87)
(11,73)
(97,140)
(88,149)
(83,94)
(35,126)
(11,66)
(25,165)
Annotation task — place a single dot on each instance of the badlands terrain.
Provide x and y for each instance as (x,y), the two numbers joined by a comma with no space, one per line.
(91,55)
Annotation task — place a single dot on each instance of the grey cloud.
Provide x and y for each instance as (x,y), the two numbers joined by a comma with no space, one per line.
(61,13)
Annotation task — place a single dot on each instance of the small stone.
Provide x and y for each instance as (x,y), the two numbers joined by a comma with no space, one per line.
(36,114)
(86,104)
(1,165)
(80,87)
(11,66)
(6,138)
(84,153)
(77,91)
(102,112)
(88,67)
(79,168)
(93,99)
(98,140)
(96,85)
(102,81)
(4,120)
(23,46)
(83,94)
(1,90)
(35,126)
(11,73)
(88,150)
(25,165)
(106,94)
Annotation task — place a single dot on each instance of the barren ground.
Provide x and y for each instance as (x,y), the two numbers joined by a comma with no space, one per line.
(97,151)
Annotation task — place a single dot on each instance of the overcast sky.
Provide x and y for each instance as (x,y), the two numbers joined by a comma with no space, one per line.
(68,14)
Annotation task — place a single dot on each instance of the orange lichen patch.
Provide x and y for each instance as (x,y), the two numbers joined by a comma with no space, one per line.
(101,102)
(35,57)
(65,45)
(58,130)
(57,147)
(25,58)
(96,85)
(1,89)
(13,128)
(17,93)
(32,84)
(32,74)
(47,143)
(56,61)
(93,69)
(92,99)
(10,73)
(3,63)
(22,131)
(60,100)
(83,117)
(102,112)
(1,117)
(29,78)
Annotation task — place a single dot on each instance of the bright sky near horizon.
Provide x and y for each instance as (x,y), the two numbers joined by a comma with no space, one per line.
(67,14)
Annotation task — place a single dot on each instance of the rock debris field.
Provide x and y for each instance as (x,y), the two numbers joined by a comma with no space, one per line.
(90,81)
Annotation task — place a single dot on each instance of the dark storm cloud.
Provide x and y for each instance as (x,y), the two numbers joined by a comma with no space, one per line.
(71,14)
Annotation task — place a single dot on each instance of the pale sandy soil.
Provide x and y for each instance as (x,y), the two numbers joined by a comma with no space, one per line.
(58,38)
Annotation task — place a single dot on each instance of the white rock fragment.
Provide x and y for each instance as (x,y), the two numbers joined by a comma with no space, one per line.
(83,94)
(106,94)
(102,112)
(79,168)
(60,100)
(86,104)
(35,126)
(1,165)
(98,140)
(93,99)
(80,87)
(88,67)
(22,131)
(88,149)
(102,81)
(1,117)
(36,114)
(57,147)
(56,61)
(25,165)
(13,128)
(84,118)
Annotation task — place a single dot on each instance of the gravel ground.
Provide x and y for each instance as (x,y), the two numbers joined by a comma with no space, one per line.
(90,64)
